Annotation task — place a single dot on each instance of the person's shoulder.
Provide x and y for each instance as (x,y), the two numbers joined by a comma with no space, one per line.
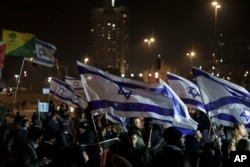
(172,149)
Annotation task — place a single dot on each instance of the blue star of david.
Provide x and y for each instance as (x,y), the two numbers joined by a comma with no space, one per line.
(41,52)
(126,93)
(61,90)
(75,83)
(75,97)
(193,92)
(245,115)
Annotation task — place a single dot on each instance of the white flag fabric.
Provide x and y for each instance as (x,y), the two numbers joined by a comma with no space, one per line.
(65,93)
(44,54)
(225,102)
(74,82)
(127,97)
(186,126)
(107,93)
(182,118)
(187,90)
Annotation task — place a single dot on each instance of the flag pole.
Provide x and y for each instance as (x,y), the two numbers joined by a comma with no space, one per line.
(97,137)
(90,116)
(150,133)
(18,81)
(210,121)
(211,128)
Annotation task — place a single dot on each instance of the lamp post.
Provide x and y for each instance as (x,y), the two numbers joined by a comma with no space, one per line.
(49,79)
(17,81)
(86,60)
(17,78)
(149,41)
(190,56)
(216,7)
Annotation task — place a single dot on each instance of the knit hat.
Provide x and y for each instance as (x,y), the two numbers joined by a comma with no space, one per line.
(65,128)
(172,135)
(83,125)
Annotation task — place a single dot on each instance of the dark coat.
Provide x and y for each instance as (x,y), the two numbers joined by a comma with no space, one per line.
(138,157)
(170,156)
(88,137)
(26,156)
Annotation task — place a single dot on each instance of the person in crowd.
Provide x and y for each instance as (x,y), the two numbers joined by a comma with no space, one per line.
(34,117)
(116,131)
(63,110)
(80,117)
(211,155)
(48,148)
(67,121)
(204,124)
(21,134)
(52,108)
(220,132)
(102,134)
(153,133)
(37,123)
(51,125)
(136,125)
(238,132)
(194,147)
(65,137)
(85,134)
(136,155)
(18,118)
(87,157)
(243,145)
(108,128)
(26,155)
(172,153)
(119,161)
(85,161)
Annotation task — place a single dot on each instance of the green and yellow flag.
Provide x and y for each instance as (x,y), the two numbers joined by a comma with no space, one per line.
(19,44)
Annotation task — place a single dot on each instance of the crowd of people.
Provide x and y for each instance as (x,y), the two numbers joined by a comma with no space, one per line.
(57,139)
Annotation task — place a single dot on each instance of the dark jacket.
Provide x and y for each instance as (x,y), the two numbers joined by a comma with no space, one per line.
(26,156)
(138,157)
(170,156)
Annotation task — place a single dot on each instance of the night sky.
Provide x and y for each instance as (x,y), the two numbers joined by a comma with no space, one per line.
(178,26)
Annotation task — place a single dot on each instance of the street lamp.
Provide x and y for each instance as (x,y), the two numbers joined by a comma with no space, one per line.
(17,78)
(49,79)
(190,56)
(216,7)
(86,60)
(149,41)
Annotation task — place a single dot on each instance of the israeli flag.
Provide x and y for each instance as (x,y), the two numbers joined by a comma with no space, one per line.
(225,102)
(74,82)
(65,93)
(44,54)
(130,98)
(187,90)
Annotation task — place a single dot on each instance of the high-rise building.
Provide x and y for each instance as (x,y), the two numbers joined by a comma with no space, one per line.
(109,47)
